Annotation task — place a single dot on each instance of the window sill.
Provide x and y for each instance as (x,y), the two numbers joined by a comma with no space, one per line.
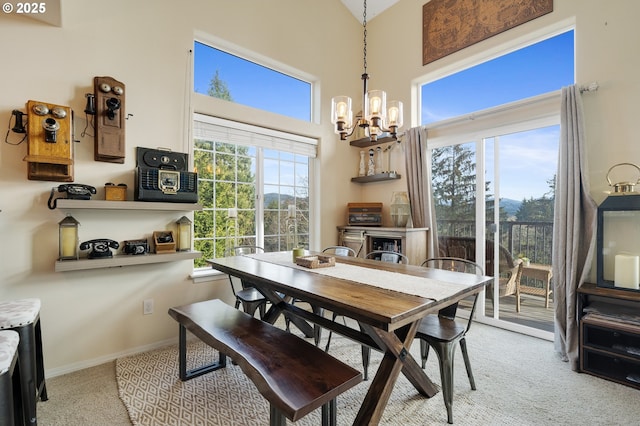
(206,275)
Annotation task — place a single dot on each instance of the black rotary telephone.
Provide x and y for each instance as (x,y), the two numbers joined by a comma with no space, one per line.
(73,191)
(100,248)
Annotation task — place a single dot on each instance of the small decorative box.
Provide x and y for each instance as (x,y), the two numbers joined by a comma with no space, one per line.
(314,262)
(115,192)
(164,241)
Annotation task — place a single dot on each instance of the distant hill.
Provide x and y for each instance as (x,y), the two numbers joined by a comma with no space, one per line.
(510,206)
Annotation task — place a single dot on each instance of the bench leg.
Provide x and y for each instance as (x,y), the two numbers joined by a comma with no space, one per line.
(330,413)
(199,371)
(276,418)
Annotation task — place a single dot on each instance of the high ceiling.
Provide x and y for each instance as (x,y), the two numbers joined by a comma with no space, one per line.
(374,7)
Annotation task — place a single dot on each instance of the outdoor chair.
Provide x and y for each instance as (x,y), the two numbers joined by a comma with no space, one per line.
(509,284)
(250,298)
(442,332)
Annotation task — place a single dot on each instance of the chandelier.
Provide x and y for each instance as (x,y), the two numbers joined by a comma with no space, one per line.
(377,117)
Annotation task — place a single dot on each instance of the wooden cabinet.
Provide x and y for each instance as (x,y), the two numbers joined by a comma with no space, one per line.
(610,334)
(412,242)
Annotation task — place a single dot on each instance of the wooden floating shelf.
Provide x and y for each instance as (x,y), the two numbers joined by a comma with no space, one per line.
(124,260)
(366,142)
(125,205)
(376,178)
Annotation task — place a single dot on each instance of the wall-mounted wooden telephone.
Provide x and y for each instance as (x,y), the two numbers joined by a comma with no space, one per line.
(108,105)
(49,146)
(100,248)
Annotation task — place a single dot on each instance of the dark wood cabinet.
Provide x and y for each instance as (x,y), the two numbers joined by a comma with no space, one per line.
(610,334)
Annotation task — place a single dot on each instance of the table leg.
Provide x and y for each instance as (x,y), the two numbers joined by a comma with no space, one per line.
(396,359)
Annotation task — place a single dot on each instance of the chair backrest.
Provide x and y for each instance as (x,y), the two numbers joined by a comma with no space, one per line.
(238,251)
(458,265)
(340,250)
(244,249)
(387,256)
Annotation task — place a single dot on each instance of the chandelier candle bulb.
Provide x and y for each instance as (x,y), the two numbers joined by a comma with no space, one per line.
(627,271)
(292,211)
(232,213)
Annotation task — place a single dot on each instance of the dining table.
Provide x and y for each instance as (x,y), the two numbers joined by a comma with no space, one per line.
(387,300)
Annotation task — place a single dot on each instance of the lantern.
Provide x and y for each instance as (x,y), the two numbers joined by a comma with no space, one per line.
(618,235)
(184,234)
(68,238)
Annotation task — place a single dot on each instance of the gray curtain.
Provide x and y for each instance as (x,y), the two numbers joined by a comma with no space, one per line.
(574,225)
(419,188)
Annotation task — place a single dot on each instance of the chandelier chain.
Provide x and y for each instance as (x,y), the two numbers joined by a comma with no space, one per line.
(364,24)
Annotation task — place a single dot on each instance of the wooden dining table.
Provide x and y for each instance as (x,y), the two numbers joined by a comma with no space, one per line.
(387,300)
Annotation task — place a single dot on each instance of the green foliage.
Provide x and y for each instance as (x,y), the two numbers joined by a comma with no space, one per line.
(218,88)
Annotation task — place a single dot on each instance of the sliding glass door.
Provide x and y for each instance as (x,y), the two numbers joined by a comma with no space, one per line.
(494,204)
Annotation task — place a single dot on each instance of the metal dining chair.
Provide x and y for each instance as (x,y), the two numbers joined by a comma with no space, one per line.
(250,298)
(443,333)
(387,256)
(340,251)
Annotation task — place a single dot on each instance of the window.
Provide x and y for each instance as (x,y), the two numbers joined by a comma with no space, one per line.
(229,77)
(253,184)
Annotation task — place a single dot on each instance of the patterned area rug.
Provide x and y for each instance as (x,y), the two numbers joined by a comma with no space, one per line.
(154,395)
(520,380)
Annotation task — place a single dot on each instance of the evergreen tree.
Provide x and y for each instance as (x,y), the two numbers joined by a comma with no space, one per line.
(218,88)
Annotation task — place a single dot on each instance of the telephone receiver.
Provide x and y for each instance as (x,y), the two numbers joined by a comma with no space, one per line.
(19,125)
(90,107)
(100,247)
(113,104)
(73,191)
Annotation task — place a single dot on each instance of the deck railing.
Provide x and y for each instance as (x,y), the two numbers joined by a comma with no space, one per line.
(529,239)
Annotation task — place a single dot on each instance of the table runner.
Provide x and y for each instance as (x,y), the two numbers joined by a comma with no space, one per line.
(418,286)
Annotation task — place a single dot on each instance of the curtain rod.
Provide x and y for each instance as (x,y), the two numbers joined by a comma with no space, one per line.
(591,87)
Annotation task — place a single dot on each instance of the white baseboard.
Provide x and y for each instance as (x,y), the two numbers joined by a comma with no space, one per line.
(70,368)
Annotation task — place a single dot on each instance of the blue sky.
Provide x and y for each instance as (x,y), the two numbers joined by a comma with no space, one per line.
(252,84)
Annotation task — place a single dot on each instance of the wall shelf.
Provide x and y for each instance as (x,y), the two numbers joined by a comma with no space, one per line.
(124,260)
(376,178)
(366,143)
(63,203)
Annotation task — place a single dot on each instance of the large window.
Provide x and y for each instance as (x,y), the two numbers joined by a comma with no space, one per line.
(253,184)
(493,143)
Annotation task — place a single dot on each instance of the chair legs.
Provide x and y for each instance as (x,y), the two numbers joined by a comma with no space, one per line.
(446,353)
(366,353)
(33,385)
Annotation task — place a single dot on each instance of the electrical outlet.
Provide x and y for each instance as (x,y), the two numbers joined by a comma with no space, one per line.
(147,307)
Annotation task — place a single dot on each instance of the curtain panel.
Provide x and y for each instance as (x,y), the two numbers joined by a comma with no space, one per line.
(419,186)
(574,225)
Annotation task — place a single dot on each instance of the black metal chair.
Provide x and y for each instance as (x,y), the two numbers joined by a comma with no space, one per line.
(250,298)
(340,250)
(387,256)
(442,332)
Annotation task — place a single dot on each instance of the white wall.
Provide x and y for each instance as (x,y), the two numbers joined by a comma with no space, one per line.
(92,316)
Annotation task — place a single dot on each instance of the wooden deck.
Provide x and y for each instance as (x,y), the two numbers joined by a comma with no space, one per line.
(532,311)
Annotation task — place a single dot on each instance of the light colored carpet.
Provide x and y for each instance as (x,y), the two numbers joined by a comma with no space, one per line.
(520,381)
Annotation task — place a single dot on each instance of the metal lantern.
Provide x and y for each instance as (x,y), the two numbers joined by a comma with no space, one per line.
(184,234)
(618,236)
(68,238)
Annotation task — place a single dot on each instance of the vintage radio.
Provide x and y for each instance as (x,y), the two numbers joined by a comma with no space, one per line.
(364,214)
(162,175)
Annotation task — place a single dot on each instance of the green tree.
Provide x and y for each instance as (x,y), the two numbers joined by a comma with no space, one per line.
(218,88)
(538,209)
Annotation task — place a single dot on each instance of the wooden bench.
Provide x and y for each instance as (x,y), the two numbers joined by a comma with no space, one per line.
(295,376)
